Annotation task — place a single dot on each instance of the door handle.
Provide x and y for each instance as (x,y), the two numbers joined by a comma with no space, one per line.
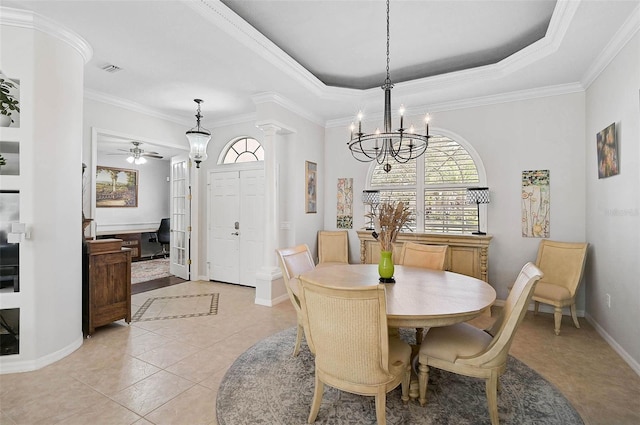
(235,233)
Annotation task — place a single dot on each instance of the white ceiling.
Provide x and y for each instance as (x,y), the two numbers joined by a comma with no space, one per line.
(327,55)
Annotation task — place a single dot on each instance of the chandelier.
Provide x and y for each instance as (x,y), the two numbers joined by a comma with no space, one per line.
(198,139)
(401,145)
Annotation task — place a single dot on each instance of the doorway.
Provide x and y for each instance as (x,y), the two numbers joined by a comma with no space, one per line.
(236,234)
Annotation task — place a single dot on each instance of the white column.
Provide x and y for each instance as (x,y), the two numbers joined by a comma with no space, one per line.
(270,289)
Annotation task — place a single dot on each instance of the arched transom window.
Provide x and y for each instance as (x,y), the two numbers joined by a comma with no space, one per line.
(245,149)
(435,187)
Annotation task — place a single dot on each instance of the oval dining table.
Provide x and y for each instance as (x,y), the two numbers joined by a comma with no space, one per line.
(420,298)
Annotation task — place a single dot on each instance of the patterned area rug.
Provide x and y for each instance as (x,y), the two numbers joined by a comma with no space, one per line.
(142,271)
(177,307)
(267,385)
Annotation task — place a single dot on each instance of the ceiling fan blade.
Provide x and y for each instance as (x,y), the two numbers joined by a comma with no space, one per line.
(151,155)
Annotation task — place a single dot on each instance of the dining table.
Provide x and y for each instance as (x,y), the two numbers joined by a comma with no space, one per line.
(419,298)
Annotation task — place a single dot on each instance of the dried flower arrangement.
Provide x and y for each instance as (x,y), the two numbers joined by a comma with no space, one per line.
(389,220)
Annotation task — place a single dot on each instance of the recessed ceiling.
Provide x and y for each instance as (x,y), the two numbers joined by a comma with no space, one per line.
(344,43)
(313,53)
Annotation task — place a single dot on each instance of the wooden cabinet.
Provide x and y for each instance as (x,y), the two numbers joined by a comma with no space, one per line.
(106,294)
(467,254)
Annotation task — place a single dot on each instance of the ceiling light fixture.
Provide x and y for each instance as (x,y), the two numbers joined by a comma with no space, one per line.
(401,145)
(198,139)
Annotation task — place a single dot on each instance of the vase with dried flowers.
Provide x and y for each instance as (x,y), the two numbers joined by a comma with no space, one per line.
(389,220)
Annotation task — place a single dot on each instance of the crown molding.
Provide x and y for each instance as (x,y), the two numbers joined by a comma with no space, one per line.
(27,19)
(225,19)
(273,97)
(132,106)
(617,43)
(514,96)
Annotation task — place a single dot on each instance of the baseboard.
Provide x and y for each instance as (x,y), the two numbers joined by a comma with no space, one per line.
(13,363)
(612,342)
(271,303)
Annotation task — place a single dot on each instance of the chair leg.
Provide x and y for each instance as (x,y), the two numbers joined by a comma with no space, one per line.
(557,318)
(419,335)
(574,315)
(317,399)
(423,379)
(492,397)
(406,384)
(381,406)
(296,349)
(536,306)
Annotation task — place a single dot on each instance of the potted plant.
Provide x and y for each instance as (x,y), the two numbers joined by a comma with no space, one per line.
(8,102)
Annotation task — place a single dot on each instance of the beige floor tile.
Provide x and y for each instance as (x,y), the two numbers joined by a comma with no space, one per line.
(196,406)
(106,412)
(167,354)
(117,376)
(152,392)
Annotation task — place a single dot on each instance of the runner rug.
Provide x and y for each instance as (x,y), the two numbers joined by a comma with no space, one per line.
(267,385)
(142,271)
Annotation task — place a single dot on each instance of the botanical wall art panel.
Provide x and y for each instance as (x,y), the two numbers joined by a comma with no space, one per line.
(535,204)
(608,159)
(311,186)
(116,187)
(345,203)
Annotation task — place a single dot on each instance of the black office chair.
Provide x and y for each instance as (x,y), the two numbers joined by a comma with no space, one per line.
(163,237)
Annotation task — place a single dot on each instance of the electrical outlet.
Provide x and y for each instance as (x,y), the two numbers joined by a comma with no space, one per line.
(608,300)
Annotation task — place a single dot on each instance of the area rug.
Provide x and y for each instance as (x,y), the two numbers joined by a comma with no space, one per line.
(177,307)
(267,385)
(142,271)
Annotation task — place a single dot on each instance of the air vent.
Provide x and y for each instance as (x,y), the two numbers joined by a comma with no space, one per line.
(111,68)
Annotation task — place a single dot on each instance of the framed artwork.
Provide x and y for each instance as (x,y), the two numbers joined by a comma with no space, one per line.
(345,203)
(116,187)
(311,187)
(536,204)
(608,159)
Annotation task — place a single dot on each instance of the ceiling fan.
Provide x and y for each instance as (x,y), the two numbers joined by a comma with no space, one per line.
(138,155)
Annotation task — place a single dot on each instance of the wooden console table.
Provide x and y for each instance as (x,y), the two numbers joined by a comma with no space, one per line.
(467,254)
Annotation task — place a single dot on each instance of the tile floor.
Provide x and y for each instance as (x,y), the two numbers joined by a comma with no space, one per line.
(168,371)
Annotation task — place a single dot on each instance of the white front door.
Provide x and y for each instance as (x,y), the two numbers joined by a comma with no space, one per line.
(236,200)
(180,217)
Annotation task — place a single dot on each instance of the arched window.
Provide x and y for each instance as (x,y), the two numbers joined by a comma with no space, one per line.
(245,149)
(435,187)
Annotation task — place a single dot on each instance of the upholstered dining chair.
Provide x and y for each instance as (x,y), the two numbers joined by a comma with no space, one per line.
(293,262)
(333,247)
(347,330)
(425,256)
(563,266)
(467,350)
(421,255)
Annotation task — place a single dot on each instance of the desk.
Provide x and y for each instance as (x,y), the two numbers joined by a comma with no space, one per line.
(130,239)
(420,298)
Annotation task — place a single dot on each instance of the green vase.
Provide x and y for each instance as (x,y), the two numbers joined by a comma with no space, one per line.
(385,267)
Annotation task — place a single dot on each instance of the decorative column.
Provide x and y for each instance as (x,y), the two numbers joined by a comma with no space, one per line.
(269,286)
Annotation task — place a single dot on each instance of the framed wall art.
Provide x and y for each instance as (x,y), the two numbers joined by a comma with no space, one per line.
(608,159)
(311,187)
(116,187)
(536,204)
(345,203)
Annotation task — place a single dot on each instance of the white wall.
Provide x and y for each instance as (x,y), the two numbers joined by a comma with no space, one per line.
(153,195)
(613,204)
(545,133)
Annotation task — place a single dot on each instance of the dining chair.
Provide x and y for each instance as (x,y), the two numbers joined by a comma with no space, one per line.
(425,256)
(421,255)
(347,330)
(293,262)
(563,266)
(467,350)
(333,247)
